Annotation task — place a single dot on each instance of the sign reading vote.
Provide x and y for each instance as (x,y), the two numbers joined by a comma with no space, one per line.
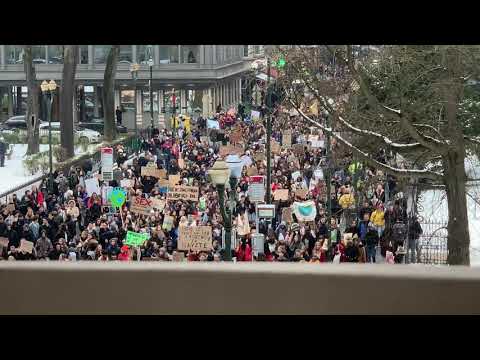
(195,238)
(136,239)
(182,192)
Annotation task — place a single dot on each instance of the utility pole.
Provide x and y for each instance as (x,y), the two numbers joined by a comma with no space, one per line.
(269,135)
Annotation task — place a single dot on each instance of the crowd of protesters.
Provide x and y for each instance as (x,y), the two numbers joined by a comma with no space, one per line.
(366,224)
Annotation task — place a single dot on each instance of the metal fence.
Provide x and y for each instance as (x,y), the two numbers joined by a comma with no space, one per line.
(432,244)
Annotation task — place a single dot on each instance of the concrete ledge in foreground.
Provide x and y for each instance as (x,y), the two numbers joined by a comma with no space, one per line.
(242,288)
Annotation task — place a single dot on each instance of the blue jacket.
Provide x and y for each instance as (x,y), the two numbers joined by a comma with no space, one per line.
(363,229)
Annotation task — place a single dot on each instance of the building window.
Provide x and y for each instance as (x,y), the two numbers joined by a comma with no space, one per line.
(14,54)
(125,55)
(100,53)
(127,99)
(228,53)
(245,50)
(39,54)
(190,54)
(83,54)
(144,53)
(146,101)
(219,54)
(55,54)
(168,54)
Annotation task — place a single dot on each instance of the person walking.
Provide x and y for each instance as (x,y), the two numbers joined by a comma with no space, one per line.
(3,151)
(414,232)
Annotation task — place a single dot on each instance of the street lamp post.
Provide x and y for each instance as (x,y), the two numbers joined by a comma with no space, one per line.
(134,70)
(150,84)
(221,172)
(48,91)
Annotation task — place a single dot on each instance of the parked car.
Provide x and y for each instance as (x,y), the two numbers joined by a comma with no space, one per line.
(93,137)
(15,122)
(97,124)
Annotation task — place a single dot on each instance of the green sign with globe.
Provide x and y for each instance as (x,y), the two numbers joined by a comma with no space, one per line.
(118,196)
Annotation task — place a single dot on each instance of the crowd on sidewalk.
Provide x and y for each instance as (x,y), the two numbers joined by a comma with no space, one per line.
(368,222)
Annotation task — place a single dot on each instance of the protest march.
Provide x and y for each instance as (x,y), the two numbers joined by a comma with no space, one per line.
(163,205)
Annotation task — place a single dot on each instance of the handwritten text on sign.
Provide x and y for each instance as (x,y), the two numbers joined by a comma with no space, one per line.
(154,172)
(196,238)
(141,206)
(182,192)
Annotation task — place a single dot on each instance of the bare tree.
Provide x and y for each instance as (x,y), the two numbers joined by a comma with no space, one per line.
(407,100)
(32,102)
(70,57)
(110,129)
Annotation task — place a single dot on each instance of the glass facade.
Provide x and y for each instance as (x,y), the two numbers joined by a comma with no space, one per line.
(55,54)
(100,53)
(146,101)
(83,54)
(168,54)
(190,54)
(126,54)
(14,54)
(144,53)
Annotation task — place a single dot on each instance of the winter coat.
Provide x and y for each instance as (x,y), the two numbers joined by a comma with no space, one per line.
(371,238)
(346,201)
(44,247)
(351,254)
(378,218)
(362,230)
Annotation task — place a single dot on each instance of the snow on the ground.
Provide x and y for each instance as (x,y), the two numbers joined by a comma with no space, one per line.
(14,172)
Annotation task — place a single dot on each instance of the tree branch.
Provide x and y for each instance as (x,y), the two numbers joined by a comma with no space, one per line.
(391,170)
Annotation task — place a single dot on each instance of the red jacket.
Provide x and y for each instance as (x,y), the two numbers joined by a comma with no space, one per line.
(244,255)
(123,256)
(40,199)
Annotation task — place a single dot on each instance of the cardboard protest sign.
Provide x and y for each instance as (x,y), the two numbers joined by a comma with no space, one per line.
(301,193)
(252,171)
(26,246)
(236,136)
(167,222)
(173,180)
(259,156)
(182,192)
(3,241)
(287,215)
(127,183)
(158,204)
(230,149)
(204,139)
(280,194)
(154,172)
(141,206)
(11,208)
(298,149)
(163,183)
(275,147)
(195,238)
(287,138)
(136,239)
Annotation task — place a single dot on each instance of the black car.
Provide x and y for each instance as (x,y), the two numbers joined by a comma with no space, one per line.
(15,122)
(97,125)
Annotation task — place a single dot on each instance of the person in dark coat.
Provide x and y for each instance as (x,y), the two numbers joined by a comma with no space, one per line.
(414,232)
(371,240)
(119,114)
(13,237)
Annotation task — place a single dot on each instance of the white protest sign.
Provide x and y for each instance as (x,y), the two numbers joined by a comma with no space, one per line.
(91,186)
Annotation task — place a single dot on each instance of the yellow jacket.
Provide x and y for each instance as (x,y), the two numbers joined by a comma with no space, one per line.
(378,218)
(346,201)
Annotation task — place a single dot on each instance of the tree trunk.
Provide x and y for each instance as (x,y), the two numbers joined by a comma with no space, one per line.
(70,54)
(458,232)
(32,103)
(10,101)
(110,130)
(18,105)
